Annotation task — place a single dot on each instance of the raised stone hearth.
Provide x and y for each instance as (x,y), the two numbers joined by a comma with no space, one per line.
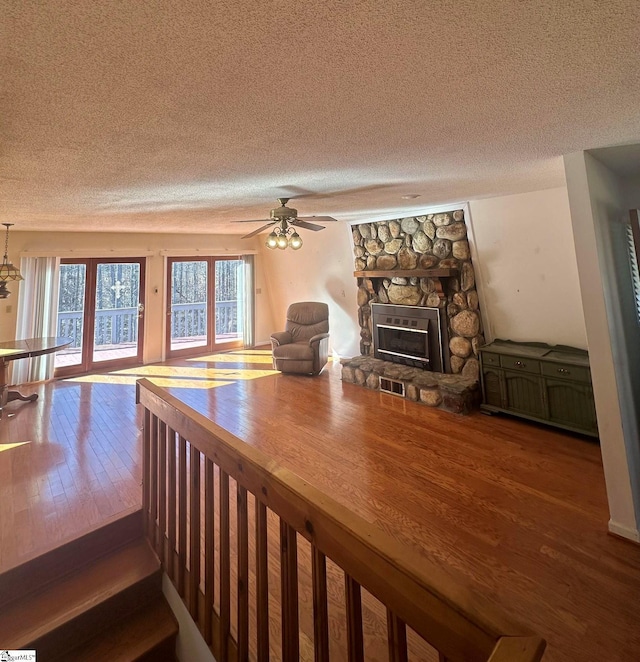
(454,393)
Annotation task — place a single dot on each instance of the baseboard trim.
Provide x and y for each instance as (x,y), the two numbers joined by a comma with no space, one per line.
(624,531)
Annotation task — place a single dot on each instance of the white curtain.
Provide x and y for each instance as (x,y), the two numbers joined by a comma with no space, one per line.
(248,302)
(37,315)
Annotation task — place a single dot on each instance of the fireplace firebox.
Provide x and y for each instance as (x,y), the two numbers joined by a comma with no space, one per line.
(412,335)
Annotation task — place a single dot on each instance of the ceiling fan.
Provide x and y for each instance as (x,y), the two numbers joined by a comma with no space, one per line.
(285,220)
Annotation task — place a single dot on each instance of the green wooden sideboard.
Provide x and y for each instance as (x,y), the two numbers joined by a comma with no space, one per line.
(545,383)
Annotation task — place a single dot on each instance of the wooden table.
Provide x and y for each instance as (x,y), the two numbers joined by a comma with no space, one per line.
(23,349)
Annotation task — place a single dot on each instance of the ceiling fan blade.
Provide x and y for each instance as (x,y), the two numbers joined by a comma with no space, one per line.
(258,231)
(258,220)
(321,219)
(307,226)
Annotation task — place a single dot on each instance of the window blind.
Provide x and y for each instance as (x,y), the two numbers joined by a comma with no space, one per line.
(635,271)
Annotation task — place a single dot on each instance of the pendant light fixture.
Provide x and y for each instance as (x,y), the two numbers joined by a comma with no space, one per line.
(7,271)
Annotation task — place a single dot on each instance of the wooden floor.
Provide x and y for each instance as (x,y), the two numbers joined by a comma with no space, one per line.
(517,511)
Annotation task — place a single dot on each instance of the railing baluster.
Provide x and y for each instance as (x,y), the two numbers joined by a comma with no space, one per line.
(262,583)
(162,490)
(146,472)
(182,514)
(194,531)
(320,608)
(209,549)
(289,593)
(397,638)
(355,640)
(242,525)
(225,568)
(171,503)
(153,480)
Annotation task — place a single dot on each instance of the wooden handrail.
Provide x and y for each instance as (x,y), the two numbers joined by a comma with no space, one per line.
(462,625)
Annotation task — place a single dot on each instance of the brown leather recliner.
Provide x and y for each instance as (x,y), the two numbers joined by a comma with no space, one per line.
(304,346)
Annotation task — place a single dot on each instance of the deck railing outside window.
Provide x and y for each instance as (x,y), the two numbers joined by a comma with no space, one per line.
(117,326)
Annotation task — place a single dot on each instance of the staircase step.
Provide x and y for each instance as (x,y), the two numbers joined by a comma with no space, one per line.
(148,635)
(32,575)
(72,608)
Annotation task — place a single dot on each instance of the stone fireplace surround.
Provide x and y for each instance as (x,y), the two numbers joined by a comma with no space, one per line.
(420,261)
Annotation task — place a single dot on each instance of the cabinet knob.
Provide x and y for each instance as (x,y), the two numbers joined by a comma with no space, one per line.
(520,364)
(564,371)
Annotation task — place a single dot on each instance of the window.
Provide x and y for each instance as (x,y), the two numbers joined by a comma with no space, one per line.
(633,246)
(205,305)
(100,309)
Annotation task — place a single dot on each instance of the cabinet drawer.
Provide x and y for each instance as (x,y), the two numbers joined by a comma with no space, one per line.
(575,373)
(490,359)
(519,363)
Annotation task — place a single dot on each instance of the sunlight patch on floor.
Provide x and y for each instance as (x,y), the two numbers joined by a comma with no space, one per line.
(194,373)
(8,447)
(175,376)
(241,356)
(164,382)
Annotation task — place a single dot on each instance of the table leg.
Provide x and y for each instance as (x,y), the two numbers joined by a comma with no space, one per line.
(4,391)
(9,396)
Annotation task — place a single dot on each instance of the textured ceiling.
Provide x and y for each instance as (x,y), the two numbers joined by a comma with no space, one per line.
(183,116)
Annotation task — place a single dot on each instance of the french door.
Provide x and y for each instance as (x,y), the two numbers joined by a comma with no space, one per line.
(205,305)
(101,310)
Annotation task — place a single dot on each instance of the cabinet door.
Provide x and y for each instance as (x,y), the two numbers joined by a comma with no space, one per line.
(571,405)
(492,387)
(524,393)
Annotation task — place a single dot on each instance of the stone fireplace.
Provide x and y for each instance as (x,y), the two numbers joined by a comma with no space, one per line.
(418,263)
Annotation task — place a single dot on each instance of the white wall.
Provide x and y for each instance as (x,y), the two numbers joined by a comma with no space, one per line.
(526,265)
(94,244)
(597,198)
(322,270)
(190,644)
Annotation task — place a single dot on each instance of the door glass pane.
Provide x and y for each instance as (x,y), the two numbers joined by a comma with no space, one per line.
(73,278)
(116,311)
(229,307)
(188,304)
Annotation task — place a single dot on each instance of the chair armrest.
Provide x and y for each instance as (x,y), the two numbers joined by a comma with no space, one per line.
(317,338)
(281,338)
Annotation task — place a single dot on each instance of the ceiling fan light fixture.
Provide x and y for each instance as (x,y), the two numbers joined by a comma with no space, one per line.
(281,220)
(272,240)
(295,241)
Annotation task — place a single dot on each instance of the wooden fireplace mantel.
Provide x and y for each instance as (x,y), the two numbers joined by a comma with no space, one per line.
(434,274)
(408,273)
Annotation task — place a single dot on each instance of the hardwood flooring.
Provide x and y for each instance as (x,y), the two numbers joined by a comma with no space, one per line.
(517,511)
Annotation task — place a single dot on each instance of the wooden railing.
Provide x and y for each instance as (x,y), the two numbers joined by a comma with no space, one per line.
(204,531)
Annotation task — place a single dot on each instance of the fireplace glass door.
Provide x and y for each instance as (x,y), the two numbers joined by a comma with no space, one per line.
(405,343)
